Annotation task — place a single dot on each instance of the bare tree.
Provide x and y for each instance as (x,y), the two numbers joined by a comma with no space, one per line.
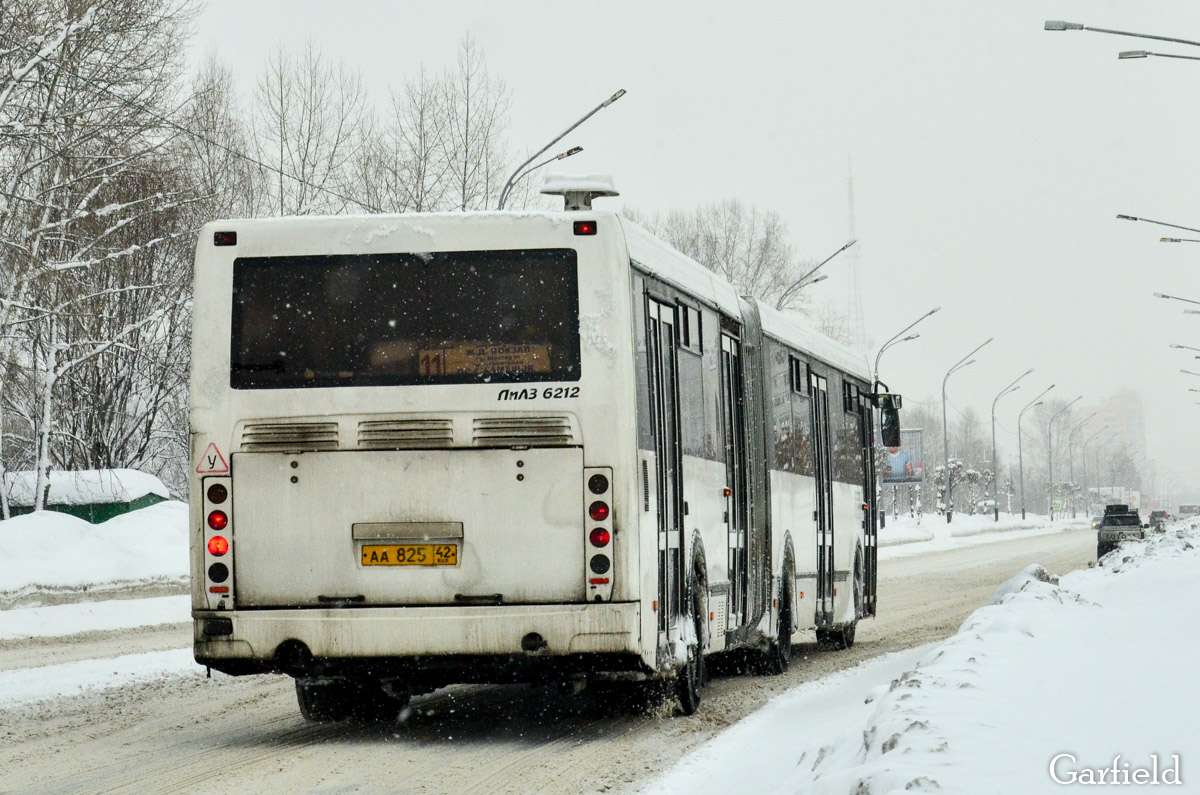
(405,167)
(475,105)
(311,121)
(85,99)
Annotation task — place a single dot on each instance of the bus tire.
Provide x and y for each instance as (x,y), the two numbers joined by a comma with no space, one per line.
(778,655)
(690,679)
(324,700)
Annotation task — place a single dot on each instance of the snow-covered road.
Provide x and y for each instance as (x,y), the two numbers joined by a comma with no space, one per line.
(1072,673)
(184,732)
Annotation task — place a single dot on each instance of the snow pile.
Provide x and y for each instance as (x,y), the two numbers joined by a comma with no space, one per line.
(1096,666)
(84,487)
(54,550)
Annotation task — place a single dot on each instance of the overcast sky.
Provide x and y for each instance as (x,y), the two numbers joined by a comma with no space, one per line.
(990,158)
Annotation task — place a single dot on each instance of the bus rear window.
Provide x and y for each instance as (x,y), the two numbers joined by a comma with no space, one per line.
(385,319)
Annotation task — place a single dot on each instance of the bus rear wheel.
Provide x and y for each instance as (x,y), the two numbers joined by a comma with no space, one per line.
(778,655)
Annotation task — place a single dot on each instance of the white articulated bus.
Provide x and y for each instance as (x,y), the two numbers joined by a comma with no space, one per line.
(511,447)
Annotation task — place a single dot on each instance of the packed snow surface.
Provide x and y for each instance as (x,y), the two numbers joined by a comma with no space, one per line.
(53,550)
(1072,673)
(29,685)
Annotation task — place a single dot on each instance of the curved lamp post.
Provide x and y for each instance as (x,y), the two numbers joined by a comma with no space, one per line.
(1071,453)
(960,364)
(1037,401)
(1008,390)
(1084,462)
(517,174)
(1050,448)
(796,285)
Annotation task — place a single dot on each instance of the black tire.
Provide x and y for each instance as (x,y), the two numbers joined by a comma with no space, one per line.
(324,700)
(690,679)
(842,636)
(778,655)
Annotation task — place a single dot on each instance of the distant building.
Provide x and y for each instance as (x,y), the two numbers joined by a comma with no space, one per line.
(94,495)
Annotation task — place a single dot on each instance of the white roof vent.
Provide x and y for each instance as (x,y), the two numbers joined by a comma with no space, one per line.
(579,190)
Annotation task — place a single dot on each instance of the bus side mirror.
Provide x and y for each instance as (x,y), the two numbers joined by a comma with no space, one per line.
(889,412)
(889,429)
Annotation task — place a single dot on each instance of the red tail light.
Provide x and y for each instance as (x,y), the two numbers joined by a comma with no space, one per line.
(217,520)
(598,511)
(599,537)
(218,546)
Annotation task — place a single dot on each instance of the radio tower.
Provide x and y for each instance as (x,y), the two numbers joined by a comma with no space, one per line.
(854,307)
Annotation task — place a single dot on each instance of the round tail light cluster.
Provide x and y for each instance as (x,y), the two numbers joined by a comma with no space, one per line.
(218,520)
(218,546)
(598,510)
(599,537)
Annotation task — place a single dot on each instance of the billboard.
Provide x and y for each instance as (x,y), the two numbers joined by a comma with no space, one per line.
(906,463)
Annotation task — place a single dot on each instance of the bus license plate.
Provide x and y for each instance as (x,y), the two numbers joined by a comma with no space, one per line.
(410,555)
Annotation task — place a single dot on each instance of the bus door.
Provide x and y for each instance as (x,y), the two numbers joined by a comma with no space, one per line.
(871,512)
(736,492)
(824,512)
(664,413)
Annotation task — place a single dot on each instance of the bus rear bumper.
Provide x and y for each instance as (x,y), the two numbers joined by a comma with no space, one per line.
(260,641)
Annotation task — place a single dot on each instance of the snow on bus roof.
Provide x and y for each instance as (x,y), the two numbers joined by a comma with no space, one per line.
(665,262)
(662,261)
(791,327)
(85,486)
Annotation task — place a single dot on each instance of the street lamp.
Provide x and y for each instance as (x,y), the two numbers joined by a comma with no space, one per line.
(1050,448)
(1085,491)
(1071,454)
(801,281)
(1037,401)
(1112,436)
(512,180)
(1179,239)
(560,156)
(1189,372)
(895,341)
(1008,390)
(1127,54)
(1175,298)
(960,364)
(1123,217)
(1185,347)
(1058,24)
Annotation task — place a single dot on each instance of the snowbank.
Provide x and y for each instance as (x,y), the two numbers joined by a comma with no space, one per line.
(84,487)
(1097,665)
(54,550)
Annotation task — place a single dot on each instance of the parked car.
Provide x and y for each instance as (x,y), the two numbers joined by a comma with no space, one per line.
(1118,524)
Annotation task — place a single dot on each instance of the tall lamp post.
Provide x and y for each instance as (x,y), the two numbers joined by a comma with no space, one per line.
(1071,453)
(895,340)
(1084,462)
(1111,436)
(1050,446)
(517,174)
(1037,401)
(1008,390)
(1058,24)
(796,285)
(960,364)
